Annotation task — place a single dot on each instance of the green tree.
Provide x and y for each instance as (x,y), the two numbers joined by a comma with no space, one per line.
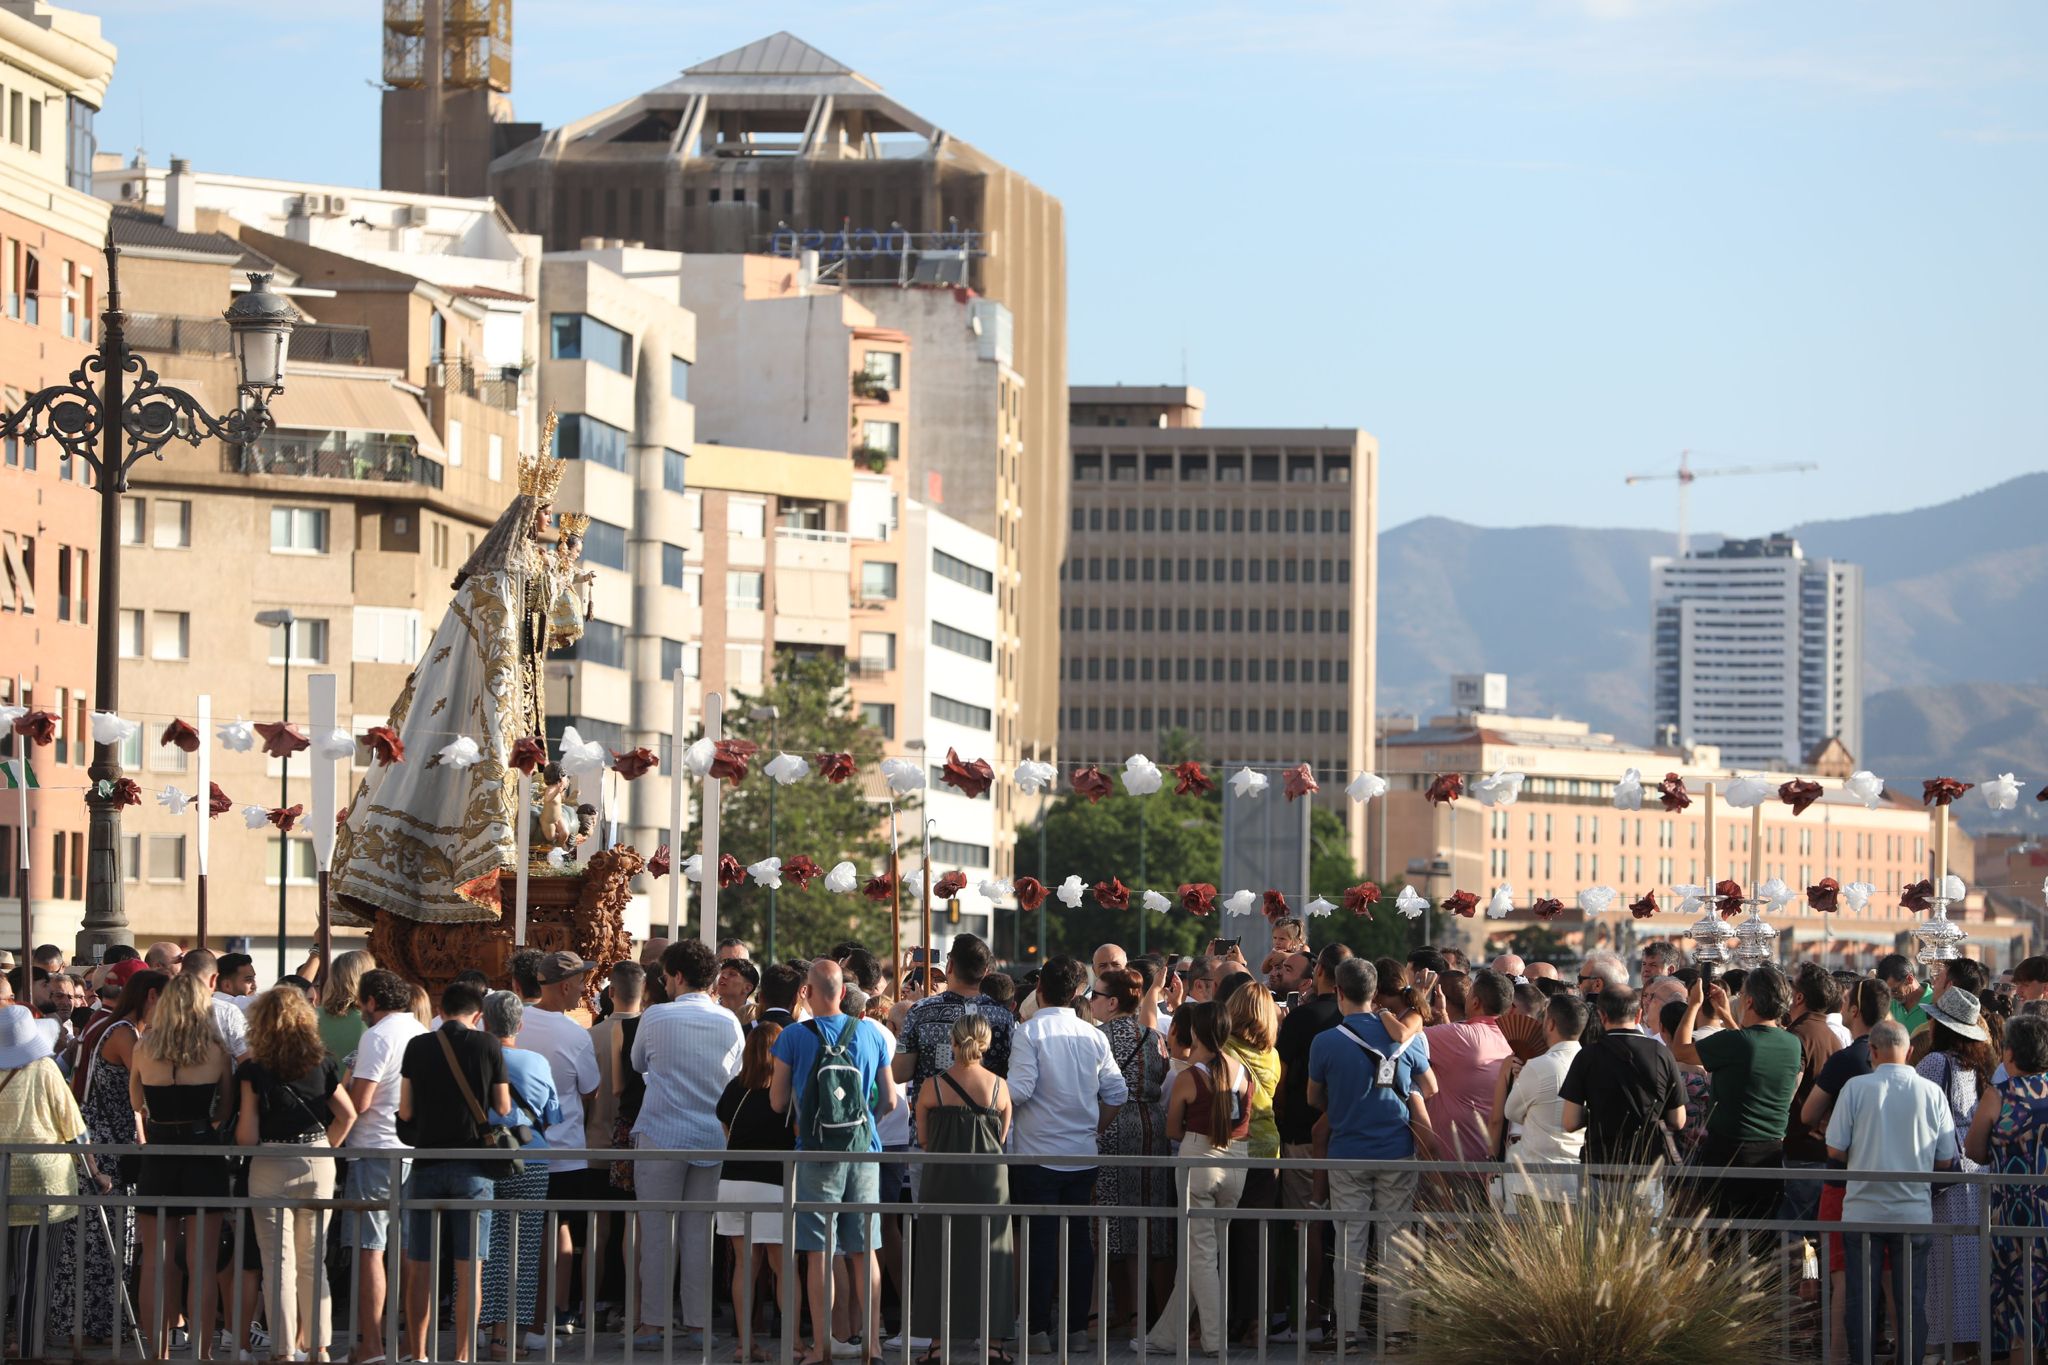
(1539,943)
(825,820)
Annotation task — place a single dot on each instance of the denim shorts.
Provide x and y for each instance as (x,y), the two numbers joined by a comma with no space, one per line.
(447,1180)
(843,1182)
(369,1182)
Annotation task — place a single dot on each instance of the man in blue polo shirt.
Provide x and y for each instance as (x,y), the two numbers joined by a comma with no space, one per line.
(1372,1089)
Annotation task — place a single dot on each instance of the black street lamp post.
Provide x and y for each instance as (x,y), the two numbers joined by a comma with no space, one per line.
(113,412)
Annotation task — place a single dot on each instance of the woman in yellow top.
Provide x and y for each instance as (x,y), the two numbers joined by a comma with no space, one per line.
(36,1106)
(1251,1025)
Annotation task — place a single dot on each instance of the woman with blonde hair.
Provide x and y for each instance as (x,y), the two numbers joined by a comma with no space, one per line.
(341,1021)
(181,1085)
(292,1099)
(966,1108)
(1251,1028)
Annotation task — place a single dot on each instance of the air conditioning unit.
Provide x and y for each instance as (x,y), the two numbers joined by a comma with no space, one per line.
(303,204)
(415,215)
(335,204)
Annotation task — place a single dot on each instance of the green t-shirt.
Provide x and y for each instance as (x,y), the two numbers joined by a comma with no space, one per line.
(339,1034)
(1754,1071)
(1913,1019)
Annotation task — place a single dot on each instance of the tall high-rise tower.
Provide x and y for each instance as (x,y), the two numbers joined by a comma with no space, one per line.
(447,78)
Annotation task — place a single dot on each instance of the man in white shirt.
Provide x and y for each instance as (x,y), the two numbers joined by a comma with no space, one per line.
(237,984)
(227,1015)
(375,1086)
(553,1034)
(1066,1088)
(1526,1099)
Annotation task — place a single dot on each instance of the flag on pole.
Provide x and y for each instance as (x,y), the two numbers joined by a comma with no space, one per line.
(14,768)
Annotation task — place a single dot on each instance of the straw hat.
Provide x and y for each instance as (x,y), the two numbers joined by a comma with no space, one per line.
(1959,1010)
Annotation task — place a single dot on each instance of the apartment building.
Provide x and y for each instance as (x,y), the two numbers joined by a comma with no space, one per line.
(1218,581)
(54,69)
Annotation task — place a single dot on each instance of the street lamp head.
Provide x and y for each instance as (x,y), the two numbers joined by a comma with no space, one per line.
(277,616)
(761,713)
(260,330)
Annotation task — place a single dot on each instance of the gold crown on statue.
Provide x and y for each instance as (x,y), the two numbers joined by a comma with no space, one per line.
(573,524)
(541,475)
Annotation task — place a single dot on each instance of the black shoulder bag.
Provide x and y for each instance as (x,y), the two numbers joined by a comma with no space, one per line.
(490,1136)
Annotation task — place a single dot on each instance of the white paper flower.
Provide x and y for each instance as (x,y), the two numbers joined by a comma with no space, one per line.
(787,768)
(1858,894)
(2000,793)
(1240,903)
(1503,901)
(697,758)
(1366,787)
(767,872)
(1952,888)
(1318,907)
(336,744)
(1033,777)
(995,889)
(1410,903)
(1595,900)
(173,800)
(11,714)
(237,736)
(1245,782)
(1774,893)
(913,884)
(1156,903)
(1141,775)
(1747,793)
(1691,899)
(842,879)
(1866,787)
(1070,892)
(255,817)
(1501,789)
(558,857)
(693,867)
(581,758)
(1628,793)
(460,753)
(903,774)
(108,728)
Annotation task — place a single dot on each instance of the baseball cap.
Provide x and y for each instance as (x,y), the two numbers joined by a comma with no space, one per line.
(560,967)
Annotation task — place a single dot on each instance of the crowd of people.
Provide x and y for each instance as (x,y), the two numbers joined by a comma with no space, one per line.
(1677,1072)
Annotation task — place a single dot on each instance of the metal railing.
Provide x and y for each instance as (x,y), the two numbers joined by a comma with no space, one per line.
(56,1307)
(169,333)
(333,455)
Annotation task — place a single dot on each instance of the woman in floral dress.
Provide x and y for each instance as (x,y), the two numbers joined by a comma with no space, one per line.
(1139,1129)
(2011,1136)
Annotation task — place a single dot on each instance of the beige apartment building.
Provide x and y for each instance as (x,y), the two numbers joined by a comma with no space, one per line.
(1564,834)
(1218,581)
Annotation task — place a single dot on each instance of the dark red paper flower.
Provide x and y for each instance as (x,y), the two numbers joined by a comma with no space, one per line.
(1360,899)
(385,745)
(1671,791)
(635,763)
(1728,897)
(127,792)
(662,863)
(1825,895)
(1112,895)
(1090,782)
(1198,898)
(1799,793)
(730,759)
(1942,791)
(1547,908)
(1030,892)
(1918,896)
(284,817)
(880,887)
(972,779)
(281,738)
(1299,780)
(1275,906)
(731,872)
(1644,908)
(218,802)
(949,885)
(39,727)
(802,871)
(2041,795)
(529,755)
(1446,788)
(1189,777)
(835,767)
(182,735)
(1461,903)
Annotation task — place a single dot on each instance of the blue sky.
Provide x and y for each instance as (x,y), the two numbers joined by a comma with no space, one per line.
(1533,247)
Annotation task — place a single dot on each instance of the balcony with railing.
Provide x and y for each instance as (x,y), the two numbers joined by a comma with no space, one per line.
(170,334)
(494,385)
(334,455)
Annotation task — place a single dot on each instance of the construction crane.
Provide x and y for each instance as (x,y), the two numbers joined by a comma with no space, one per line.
(1685,475)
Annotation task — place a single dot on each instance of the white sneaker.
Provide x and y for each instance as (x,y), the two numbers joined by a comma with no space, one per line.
(845,1350)
(534,1341)
(895,1343)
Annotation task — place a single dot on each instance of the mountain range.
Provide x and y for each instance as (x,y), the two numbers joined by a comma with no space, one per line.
(1955,677)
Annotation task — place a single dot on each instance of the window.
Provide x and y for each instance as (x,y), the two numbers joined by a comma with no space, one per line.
(675,473)
(742,590)
(174,524)
(68,305)
(602,643)
(16,126)
(578,336)
(79,144)
(166,853)
(960,854)
(672,566)
(877,581)
(883,369)
(496,468)
(173,634)
(960,712)
(960,642)
(746,517)
(454,444)
(31,285)
(676,654)
(679,378)
(308,641)
(437,342)
(605,543)
(960,571)
(578,437)
(881,715)
(881,437)
(385,635)
(301,869)
(693,587)
(877,651)
(298,530)
(131,633)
